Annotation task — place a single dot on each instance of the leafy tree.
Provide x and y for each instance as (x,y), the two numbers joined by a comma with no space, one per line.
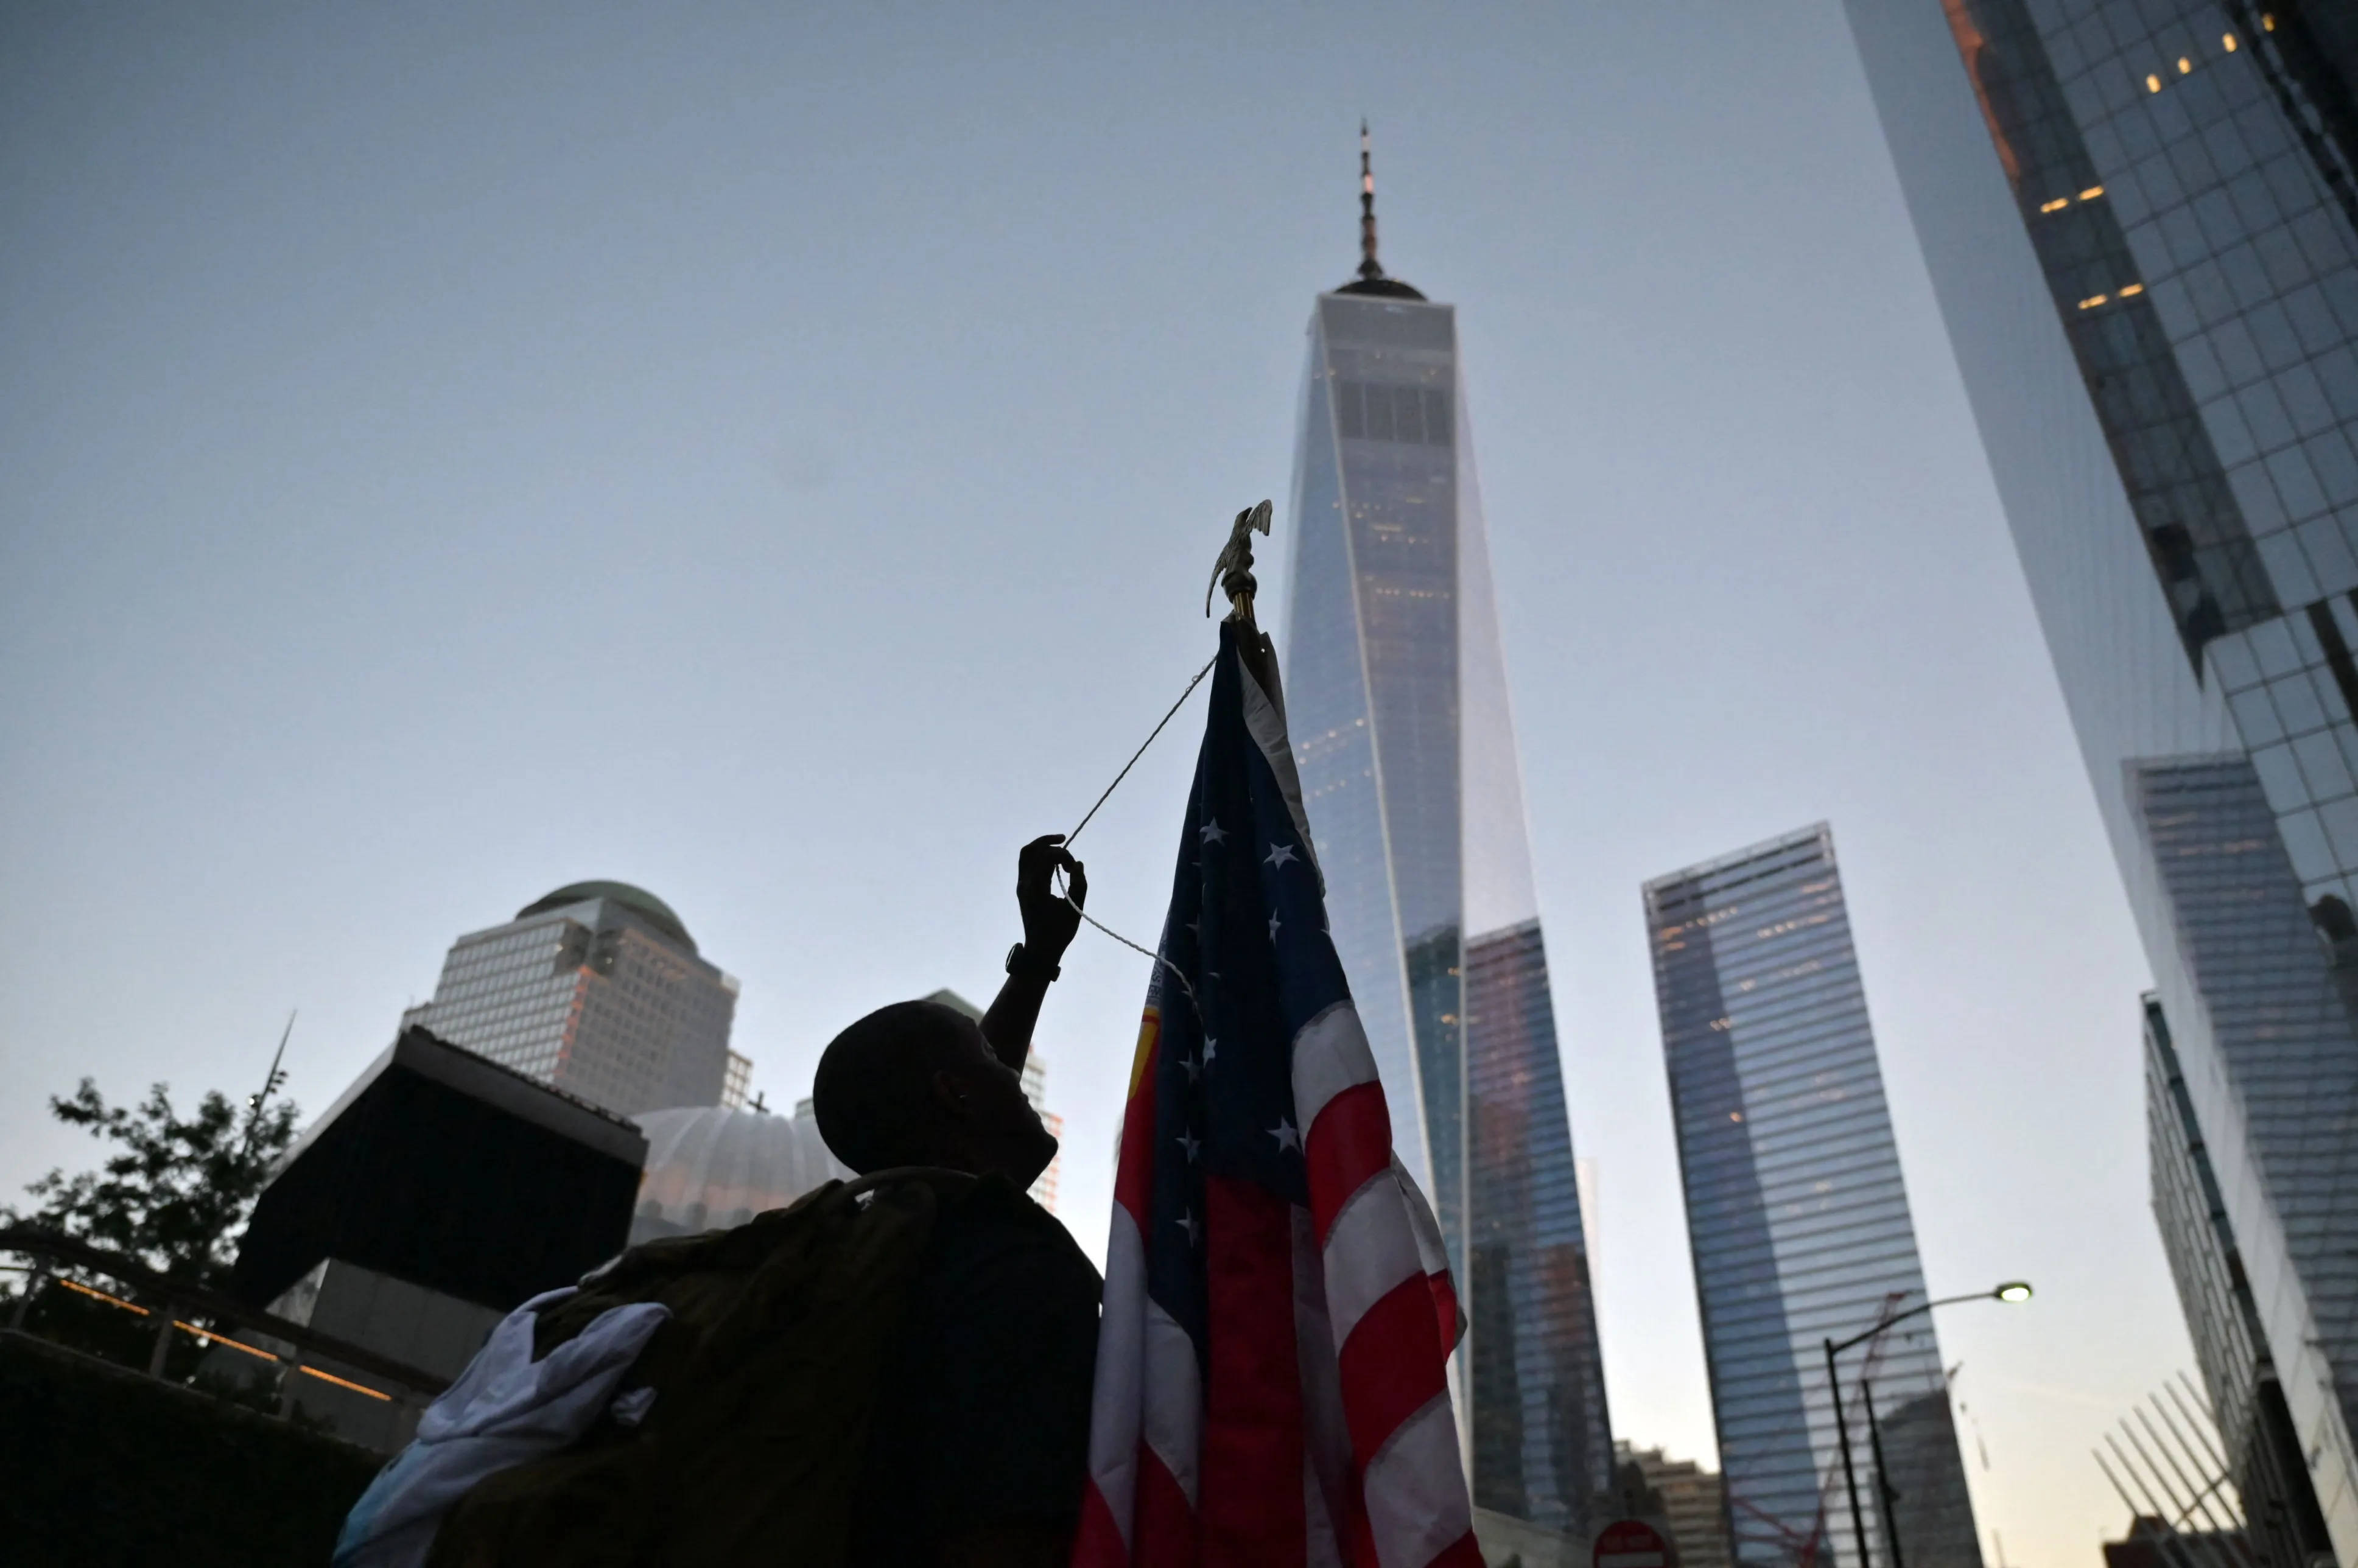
(177,1194)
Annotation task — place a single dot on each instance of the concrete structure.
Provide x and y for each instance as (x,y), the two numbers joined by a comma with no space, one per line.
(438,1193)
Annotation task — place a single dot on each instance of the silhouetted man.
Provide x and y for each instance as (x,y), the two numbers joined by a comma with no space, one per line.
(980,1441)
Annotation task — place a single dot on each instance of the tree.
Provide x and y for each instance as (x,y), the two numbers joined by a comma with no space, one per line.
(178,1194)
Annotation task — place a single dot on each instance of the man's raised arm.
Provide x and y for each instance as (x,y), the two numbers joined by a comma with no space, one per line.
(1049,923)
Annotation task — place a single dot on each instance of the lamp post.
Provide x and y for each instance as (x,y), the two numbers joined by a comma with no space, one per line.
(2012,1290)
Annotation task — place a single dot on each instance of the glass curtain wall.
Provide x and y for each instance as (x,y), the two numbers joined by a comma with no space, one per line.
(1797,1215)
(1396,695)
(2141,222)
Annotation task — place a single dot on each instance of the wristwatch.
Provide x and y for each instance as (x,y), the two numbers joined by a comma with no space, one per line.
(1020,962)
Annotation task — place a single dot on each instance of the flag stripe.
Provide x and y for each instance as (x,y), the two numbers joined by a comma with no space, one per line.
(1173,1427)
(1330,1055)
(1369,1256)
(1251,1492)
(1417,1511)
(1133,1179)
(1098,1543)
(1117,1400)
(1165,1536)
(1391,1365)
(1349,1144)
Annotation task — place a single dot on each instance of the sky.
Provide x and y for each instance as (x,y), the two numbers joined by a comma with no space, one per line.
(774,457)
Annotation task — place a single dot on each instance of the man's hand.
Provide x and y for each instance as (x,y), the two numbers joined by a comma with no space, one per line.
(1049,922)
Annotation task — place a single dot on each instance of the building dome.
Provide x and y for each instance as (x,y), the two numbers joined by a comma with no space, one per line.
(710,1168)
(638,901)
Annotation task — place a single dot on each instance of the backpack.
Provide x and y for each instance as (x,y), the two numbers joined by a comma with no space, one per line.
(765,1384)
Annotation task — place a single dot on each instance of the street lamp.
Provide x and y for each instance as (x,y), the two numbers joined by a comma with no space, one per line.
(2012,1290)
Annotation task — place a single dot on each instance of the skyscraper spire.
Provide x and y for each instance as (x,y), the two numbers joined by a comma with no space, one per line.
(1371,278)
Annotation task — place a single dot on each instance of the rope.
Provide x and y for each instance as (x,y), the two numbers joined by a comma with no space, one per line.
(1142,951)
(1139,752)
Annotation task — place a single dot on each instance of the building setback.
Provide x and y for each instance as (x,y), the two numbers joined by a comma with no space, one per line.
(1795,1213)
(1397,700)
(2140,218)
(596,989)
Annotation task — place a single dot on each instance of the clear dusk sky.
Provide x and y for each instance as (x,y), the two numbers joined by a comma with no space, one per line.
(774,456)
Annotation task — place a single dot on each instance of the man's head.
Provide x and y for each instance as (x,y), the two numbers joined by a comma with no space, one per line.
(916,1084)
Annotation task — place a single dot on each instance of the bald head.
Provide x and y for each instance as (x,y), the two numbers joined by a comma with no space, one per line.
(917,1084)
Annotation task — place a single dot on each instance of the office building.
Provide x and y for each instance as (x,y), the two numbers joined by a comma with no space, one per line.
(1396,697)
(596,989)
(2141,224)
(1694,1505)
(1797,1216)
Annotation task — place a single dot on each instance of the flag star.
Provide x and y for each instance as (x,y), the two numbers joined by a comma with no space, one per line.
(1211,1048)
(1211,832)
(1274,923)
(1286,1135)
(1190,1142)
(1192,1066)
(1188,1223)
(1277,855)
(1197,927)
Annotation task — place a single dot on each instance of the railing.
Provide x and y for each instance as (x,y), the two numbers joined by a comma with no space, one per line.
(172,1301)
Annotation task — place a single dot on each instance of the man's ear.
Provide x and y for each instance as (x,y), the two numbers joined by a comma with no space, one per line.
(950,1094)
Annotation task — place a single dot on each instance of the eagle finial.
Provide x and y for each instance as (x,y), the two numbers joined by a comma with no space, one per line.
(1233,570)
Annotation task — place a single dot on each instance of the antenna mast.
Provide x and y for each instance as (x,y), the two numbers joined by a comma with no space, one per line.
(1370,268)
(270,1082)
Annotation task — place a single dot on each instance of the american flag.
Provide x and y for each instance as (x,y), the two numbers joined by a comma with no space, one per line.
(1270,1378)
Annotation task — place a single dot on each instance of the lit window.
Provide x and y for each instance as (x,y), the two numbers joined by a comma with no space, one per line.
(2185,66)
(2227,42)
(2267,21)
(2129,288)
(2055,205)
(2091,193)
(2093,300)
(2153,84)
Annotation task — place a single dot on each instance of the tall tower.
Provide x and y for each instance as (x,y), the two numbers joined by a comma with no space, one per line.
(596,989)
(1797,1215)
(2141,224)
(1397,698)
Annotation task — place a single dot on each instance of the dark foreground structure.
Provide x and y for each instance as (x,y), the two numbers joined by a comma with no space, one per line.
(2141,222)
(438,1194)
(100,1465)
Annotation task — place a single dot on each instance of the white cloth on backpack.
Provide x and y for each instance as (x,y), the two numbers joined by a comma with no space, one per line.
(504,1410)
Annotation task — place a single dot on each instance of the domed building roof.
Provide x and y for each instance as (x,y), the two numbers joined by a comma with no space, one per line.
(638,901)
(710,1168)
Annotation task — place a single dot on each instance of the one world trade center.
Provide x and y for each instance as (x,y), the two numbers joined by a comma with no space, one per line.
(1396,697)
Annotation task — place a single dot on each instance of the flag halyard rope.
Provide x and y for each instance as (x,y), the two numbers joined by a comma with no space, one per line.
(1066,893)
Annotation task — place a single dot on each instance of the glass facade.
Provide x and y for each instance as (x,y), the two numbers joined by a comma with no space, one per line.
(603,997)
(1396,697)
(1795,1213)
(2279,1507)
(2141,222)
